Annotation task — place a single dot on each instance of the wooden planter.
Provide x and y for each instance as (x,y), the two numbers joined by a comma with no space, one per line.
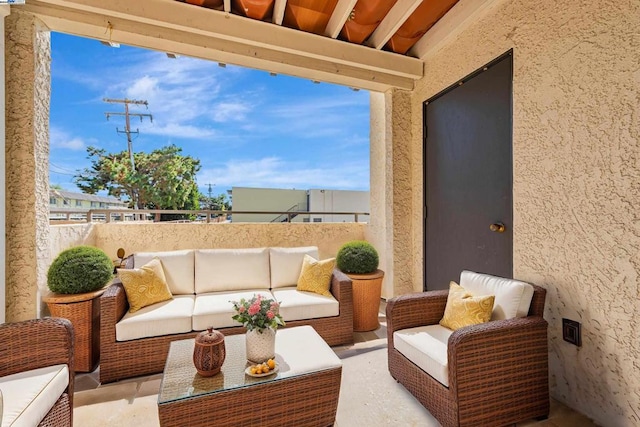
(367,289)
(83,310)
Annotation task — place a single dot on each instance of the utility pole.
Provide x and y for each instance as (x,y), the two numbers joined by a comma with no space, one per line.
(127,129)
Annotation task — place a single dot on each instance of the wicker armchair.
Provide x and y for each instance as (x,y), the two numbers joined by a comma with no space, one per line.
(34,344)
(497,371)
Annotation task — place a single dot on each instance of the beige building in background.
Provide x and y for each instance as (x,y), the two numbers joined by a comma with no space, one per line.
(576,162)
(77,205)
(293,203)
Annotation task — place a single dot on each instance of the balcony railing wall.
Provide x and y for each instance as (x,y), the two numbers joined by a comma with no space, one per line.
(165,236)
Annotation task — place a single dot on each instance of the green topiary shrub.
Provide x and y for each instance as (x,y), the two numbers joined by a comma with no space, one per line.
(78,270)
(357,257)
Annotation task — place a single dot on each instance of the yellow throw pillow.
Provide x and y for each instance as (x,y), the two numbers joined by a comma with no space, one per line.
(316,275)
(464,309)
(145,285)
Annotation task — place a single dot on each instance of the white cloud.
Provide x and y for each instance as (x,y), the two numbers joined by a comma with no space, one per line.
(274,172)
(179,131)
(179,93)
(230,111)
(59,138)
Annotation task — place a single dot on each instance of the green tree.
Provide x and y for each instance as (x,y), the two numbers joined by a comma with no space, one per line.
(162,179)
(215,203)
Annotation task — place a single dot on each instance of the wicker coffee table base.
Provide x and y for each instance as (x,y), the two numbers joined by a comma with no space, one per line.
(304,400)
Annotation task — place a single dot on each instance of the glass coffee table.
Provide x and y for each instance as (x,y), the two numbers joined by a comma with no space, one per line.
(303,391)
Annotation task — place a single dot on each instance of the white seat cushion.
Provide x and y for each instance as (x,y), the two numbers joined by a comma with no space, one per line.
(286,264)
(513,297)
(163,318)
(177,267)
(29,396)
(215,309)
(220,270)
(297,305)
(304,351)
(426,347)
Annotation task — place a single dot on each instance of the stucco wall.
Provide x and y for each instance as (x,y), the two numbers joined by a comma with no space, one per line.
(576,117)
(164,237)
(392,189)
(28,57)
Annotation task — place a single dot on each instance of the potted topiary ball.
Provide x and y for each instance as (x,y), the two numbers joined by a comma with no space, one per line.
(359,260)
(79,270)
(76,278)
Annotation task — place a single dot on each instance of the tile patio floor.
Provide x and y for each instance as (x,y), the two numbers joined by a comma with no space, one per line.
(133,402)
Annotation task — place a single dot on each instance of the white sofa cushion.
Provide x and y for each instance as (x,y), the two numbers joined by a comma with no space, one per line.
(426,347)
(297,305)
(28,396)
(513,297)
(215,309)
(178,268)
(231,269)
(286,264)
(163,318)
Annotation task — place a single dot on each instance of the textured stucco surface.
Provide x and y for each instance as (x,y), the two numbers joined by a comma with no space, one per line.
(162,237)
(391,188)
(576,157)
(28,58)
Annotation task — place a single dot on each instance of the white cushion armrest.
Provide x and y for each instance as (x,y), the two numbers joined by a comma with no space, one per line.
(28,396)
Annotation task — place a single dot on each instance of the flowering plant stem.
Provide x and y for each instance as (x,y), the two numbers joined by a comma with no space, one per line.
(258,313)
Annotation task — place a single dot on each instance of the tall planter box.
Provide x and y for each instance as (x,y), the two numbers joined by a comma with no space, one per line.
(83,311)
(367,290)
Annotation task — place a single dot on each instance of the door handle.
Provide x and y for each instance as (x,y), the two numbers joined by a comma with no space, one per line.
(498,227)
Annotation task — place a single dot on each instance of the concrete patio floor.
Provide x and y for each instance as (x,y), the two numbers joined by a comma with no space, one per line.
(369,395)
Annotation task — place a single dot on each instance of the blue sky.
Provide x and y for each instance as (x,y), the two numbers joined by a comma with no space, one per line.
(247,128)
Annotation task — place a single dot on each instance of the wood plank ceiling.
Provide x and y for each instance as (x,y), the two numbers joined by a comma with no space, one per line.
(390,25)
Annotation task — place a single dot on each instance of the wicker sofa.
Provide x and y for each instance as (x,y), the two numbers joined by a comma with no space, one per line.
(36,373)
(203,283)
(493,373)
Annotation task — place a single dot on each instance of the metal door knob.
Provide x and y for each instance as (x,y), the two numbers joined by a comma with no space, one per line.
(498,227)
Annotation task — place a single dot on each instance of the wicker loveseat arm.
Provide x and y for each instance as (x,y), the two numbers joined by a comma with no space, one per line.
(341,287)
(34,344)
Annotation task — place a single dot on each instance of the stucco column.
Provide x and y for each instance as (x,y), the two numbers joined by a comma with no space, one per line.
(28,86)
(391,189)
(4,11)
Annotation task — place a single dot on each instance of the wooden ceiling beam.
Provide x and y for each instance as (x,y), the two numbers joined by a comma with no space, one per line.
(227,6)
(339,16)
(164,39)
(231,28)
(398,14)
(278,11)
(456,20)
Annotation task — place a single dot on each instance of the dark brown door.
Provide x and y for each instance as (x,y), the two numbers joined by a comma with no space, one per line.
(468,177)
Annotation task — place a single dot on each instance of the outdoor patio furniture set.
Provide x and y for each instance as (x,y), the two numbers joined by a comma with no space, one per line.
(204,282)
(491,373)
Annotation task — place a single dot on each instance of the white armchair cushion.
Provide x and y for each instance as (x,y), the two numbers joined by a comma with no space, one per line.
(28,396)
(298,305)
(215,309)
(231,269)
(426,347)
(177,267)
(513,297)
(286,264)
(163,318)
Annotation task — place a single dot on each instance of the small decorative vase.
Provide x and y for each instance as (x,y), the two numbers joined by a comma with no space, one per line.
(261,345)
(209,352)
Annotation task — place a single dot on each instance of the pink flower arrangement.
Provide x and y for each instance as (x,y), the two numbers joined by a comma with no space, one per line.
(258,313)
